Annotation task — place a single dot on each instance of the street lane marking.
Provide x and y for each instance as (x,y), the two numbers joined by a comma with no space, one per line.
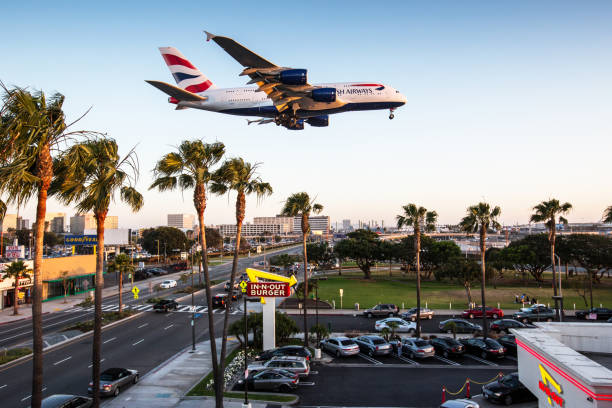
(199,308)
(307,383)
(313,372)
(446,360)
(481,360)
(138,342)
(61,361)
(184,308)
(109,340)
(28,397)
(143,325)
(1,387)
(368,358)
(166,328)
(91,365)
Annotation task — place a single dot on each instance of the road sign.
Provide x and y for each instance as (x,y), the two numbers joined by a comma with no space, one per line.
(135,291)
(268,289)
(243,286)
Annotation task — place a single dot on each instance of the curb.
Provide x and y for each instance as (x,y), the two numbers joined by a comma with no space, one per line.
(230,399)
(22,319)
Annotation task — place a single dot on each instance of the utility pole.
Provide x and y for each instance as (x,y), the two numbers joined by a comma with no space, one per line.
(192,306)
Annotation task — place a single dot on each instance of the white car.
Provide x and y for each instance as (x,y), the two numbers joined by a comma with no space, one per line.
(167,284)
(402,325)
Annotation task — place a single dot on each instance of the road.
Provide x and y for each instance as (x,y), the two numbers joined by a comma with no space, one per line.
(142,342)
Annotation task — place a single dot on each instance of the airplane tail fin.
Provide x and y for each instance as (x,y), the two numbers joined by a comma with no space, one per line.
(186,75)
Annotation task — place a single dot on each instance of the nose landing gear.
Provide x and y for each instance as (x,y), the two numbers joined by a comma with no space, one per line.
(391,115)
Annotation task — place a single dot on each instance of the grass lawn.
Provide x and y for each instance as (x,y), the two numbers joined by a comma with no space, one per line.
(438,295)
(14,354)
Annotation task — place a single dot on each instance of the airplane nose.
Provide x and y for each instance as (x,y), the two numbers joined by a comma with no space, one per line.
(403,99)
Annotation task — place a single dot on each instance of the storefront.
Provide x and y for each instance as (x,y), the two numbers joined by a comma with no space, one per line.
(7,288)
(72,285)
(567,364)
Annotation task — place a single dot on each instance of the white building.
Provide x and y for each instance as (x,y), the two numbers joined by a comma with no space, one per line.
(181,220)
(285,223)
(319,224)
(249,230)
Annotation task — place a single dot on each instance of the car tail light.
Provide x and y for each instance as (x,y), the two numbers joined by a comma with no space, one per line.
(376,347)
(294,381)
(420,351)
(91,384)
(106,386)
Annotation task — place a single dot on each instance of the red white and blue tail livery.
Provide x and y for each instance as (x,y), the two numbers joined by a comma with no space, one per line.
(282,95)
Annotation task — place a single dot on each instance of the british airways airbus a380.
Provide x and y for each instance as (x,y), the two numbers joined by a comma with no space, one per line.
(283,95)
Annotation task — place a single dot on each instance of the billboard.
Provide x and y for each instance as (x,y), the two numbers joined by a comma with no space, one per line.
(118,236)
(15,251)
(80,240)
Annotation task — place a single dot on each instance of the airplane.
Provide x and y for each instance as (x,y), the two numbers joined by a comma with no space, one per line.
(282,95)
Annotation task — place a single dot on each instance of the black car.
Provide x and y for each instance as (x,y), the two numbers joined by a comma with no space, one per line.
(485,348)
(509,342)
(156,271)
(461,326)
(165,305)
(535,314)
(142,274)
(66,401)
(447,346)
(299,351)
(507,324)
(600,313)
(507,390)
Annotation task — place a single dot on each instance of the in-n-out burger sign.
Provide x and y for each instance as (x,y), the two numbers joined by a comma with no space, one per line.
(268,289)
(545,384)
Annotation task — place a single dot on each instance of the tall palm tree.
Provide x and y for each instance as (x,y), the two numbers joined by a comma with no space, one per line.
(300,205)
(31,128)
(16,270)
(122,264)
(548,211)
(90,174)
(191,167)
(417,218)
(236,175)
(2,214)
(480,218)
(607,218)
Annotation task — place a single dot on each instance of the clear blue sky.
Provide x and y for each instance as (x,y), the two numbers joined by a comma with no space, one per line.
(507,101)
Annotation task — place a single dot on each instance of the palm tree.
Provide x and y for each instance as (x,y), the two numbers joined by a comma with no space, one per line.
(122,264)
(480,218)
(549,211)
(607,218)
(89,174)
(300,205)
(234,174)
(31,127)
(417,218)
(16,270)
(2,214)
(190,167)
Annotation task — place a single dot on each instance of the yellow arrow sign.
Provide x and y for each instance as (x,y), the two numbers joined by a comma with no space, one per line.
(253,274)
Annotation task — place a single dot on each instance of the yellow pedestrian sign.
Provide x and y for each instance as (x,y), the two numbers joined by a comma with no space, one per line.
(253,274)
(243,286)
(135,291)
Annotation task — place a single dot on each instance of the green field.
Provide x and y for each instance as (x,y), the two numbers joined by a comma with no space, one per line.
(442,295)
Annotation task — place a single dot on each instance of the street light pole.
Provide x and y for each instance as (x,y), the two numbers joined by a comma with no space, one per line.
(560,297)
(246,341)
(157,249)
(192,307)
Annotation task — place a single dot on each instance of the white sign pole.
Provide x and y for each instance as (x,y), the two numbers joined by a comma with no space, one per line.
(269,323)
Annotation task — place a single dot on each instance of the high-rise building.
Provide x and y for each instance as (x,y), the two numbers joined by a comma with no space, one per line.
(285,223)
(23,224)
(181,220)
(81,222)
(319,224)
(346,225)
(57,225)
(9,221)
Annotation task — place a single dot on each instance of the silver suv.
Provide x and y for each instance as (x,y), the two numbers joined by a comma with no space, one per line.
(295,364)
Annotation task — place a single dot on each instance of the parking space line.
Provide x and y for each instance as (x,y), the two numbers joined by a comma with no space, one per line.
(368,358)
(310,383)
(480,360)
(138,342)
(446,360)
(166,328)
(109,340)
(406,360)
(2,386)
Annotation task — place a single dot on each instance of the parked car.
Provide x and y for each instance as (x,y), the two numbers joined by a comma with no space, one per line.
(447,346)
(509,343)
(382,309)
(142,274)
(508,390)
(417,348)
(507,324)
(168,283)
(485,348)
(411,314)
(271,380)
(66,401)
(461,326)
(339,346)
(157,271)
(113,379)
(600,313)
(295,364)
(609,320)
(522,309)
(460,403)
(402,325)
(165,305)
(536,313)
(299,351)
(373,345)
(491,312)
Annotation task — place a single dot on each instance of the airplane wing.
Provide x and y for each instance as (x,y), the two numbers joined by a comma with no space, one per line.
(286,87)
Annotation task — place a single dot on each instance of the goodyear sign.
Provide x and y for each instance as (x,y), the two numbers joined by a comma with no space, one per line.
(80,240)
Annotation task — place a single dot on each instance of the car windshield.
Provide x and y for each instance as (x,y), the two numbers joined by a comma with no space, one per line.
(492,343)
(347,342)
(378,341)
(508,380)
(420,343)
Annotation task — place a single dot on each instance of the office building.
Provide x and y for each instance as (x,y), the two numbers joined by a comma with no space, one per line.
(81,222)
(23,224)
(249,230)
(57,225)
(181,221)
(319,224)
(285,223)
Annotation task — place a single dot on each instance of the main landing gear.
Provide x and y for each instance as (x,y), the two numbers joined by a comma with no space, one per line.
(286,119)
(391,115)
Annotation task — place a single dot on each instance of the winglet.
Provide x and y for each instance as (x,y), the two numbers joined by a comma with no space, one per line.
(209,36)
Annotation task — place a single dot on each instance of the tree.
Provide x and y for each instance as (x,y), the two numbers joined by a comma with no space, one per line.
(51,239)
(417,218)
(460,270)
(191,167)
(389,251)
(529,254)
(172,237)
(213,238)
(277,239)
(31,127)
(122,264)
(300,205)
(607,217)
(16,270)
(549,211)
(90,174)
(236,175)
(284,260)
(2,214)
(480,218)
(65,283)
(319,253)
(437,253)
(363,246)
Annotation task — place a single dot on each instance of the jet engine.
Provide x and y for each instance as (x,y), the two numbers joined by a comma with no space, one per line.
(293,77)
(318,121)
(324,94)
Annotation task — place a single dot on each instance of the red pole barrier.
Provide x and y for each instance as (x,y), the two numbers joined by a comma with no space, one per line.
(467,390)
(443,394)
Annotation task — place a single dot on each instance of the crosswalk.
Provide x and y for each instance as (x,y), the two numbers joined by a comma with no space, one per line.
(149,308)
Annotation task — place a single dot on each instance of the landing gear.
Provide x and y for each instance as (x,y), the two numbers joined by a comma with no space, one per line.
(391,115)
(288,120)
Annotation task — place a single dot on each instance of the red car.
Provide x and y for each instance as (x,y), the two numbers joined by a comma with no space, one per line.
(491,312)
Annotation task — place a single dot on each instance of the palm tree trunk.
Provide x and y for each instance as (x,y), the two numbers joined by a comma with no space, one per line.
(120,290)
(97,331)
(417,238)
(304,234)
(16,298)
(240,209)
(483,238)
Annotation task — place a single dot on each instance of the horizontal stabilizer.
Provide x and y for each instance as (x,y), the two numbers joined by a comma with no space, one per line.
(176,92)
